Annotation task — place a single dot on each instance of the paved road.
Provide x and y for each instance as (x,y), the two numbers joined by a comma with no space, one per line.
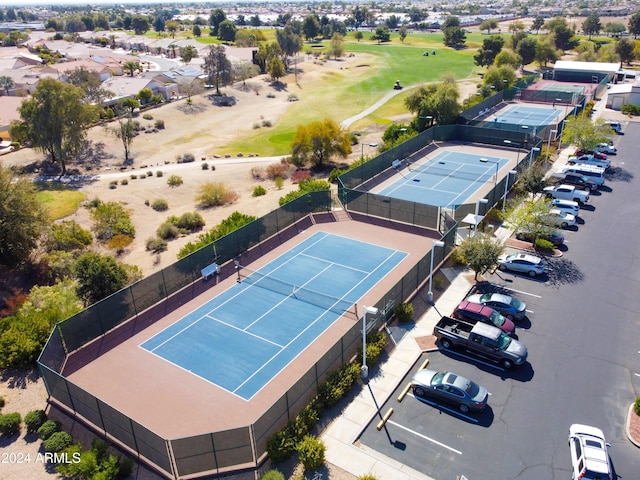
(583,336)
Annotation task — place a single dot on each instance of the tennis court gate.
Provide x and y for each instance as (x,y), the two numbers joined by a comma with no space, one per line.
(82,337)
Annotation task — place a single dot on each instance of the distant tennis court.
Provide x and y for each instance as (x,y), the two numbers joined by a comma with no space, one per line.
(245,336)
(527,115)
(450,178)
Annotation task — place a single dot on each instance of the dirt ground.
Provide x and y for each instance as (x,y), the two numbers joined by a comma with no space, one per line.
(197,129)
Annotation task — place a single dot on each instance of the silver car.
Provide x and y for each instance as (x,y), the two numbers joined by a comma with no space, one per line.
(568,206)
(522,263)
(450,388)
(507,306)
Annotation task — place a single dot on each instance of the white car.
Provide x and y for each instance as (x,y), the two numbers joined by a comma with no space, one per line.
(568,206)
(590,160)
(589,456)
(560,218)
(606,148)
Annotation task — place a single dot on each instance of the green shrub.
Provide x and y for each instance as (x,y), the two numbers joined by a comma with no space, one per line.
(147,116)
(214,194)
(259,191)
(159,124)
(403,312)
(335,173)
(149,173)
(338,383)
(10,424)
(272,475)
(174,181)
(133,176)
(168,231)
(124,181)
(160,205)
(311,452)
(1,402)
(280,446)
(113,184)
(57,442)
(376,343)
(543,244)
(367,477)
(630,109)
(34,420)
(156,245)
(279,182)
(48,428)
(159,173)
(636,406)
(188,221)
(205,166)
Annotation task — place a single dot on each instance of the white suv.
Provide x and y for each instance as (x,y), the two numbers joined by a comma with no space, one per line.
(589,456)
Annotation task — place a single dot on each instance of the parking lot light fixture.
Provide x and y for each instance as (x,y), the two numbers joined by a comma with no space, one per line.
(506,187)
(475,218)
(371,311)
(434,243)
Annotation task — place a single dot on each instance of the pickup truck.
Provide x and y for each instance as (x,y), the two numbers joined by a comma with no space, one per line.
(482,340)
(567,192)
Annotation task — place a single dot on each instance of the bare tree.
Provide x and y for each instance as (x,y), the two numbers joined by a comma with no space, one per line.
(217,67)
(126,131)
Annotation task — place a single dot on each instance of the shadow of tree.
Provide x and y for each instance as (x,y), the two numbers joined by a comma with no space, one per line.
(17,378)
(618,174)
(191,108)
(561,271)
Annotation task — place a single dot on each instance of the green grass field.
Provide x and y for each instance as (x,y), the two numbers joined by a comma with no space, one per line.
(58,200)
(338,94)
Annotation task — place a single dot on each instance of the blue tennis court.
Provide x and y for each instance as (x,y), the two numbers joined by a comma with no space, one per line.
(450,178)
(245,336)
(527,115)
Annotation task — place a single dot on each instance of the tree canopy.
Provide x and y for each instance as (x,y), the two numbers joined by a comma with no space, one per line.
(217,67)
(317,142)
(591,25)
(480,252)
(98,276)
(491,47)
(56,119)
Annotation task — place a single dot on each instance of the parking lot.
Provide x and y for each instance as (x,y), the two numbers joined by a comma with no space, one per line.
(583,336)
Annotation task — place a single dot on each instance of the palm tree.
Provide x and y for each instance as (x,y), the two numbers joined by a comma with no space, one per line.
(6,83)
(131,67)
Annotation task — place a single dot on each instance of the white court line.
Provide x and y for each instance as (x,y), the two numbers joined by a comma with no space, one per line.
(424,437)
(524,293)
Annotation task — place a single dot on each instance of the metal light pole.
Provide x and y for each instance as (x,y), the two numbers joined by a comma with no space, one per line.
(475,218)
(434,243)
(486,160)
(506,187)
(551,132)
(373,145)
(533,149)
(372,311)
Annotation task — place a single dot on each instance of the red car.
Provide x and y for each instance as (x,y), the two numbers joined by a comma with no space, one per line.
(475,312)
(599,155)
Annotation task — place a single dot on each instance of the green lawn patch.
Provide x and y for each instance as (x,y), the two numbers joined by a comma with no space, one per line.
(59,201)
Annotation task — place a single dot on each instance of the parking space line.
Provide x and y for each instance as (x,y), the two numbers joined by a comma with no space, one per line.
(425,437)
(441,407)
(524,293)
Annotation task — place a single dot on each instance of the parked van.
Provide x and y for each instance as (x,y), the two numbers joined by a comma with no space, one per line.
(590,171)
(615,126)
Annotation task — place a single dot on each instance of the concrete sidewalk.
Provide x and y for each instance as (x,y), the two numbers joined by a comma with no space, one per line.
(341,437)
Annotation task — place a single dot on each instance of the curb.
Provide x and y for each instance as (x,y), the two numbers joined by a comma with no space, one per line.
(628,425)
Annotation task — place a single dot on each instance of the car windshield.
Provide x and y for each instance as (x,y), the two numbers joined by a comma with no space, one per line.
(515,303)
(504,341)
(497,319)
(486,297)
(437,378)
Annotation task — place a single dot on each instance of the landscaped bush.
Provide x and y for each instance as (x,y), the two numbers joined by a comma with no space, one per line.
(48,428)
(280,446)
(338,383)
(147,116)
(133,176)
(304,187)
(113,184)
(187,158)
(543,244)
(335,173)
(300,175)
(110,219)
(630,109)
(188,221)
(159,124)
(403,312)
(213,194)
(34,420)
(156,245)
(226,226)
(367,477)
(205,166)
(57,442)
(119,242)
(168,231)
(160,205)
(10,424)
(149,173)
(124,181)
(636,406)
(311,452)
(159,173)
(279,182)
(1,402)
(376,343)
(266,123)
(280,169)
(174,181)
(272,475)
(259,191)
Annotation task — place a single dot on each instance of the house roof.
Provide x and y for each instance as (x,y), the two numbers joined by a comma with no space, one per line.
(620,88)
(9,109)
(587,66)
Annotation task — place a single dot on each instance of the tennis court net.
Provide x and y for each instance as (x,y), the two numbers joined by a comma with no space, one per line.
(319,299)
(476,176)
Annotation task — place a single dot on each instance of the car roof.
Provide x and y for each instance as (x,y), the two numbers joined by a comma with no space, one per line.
(562,201)
(486,330)
(583,166)
(593,446)
(475,307)
(525,256)
(500,297)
